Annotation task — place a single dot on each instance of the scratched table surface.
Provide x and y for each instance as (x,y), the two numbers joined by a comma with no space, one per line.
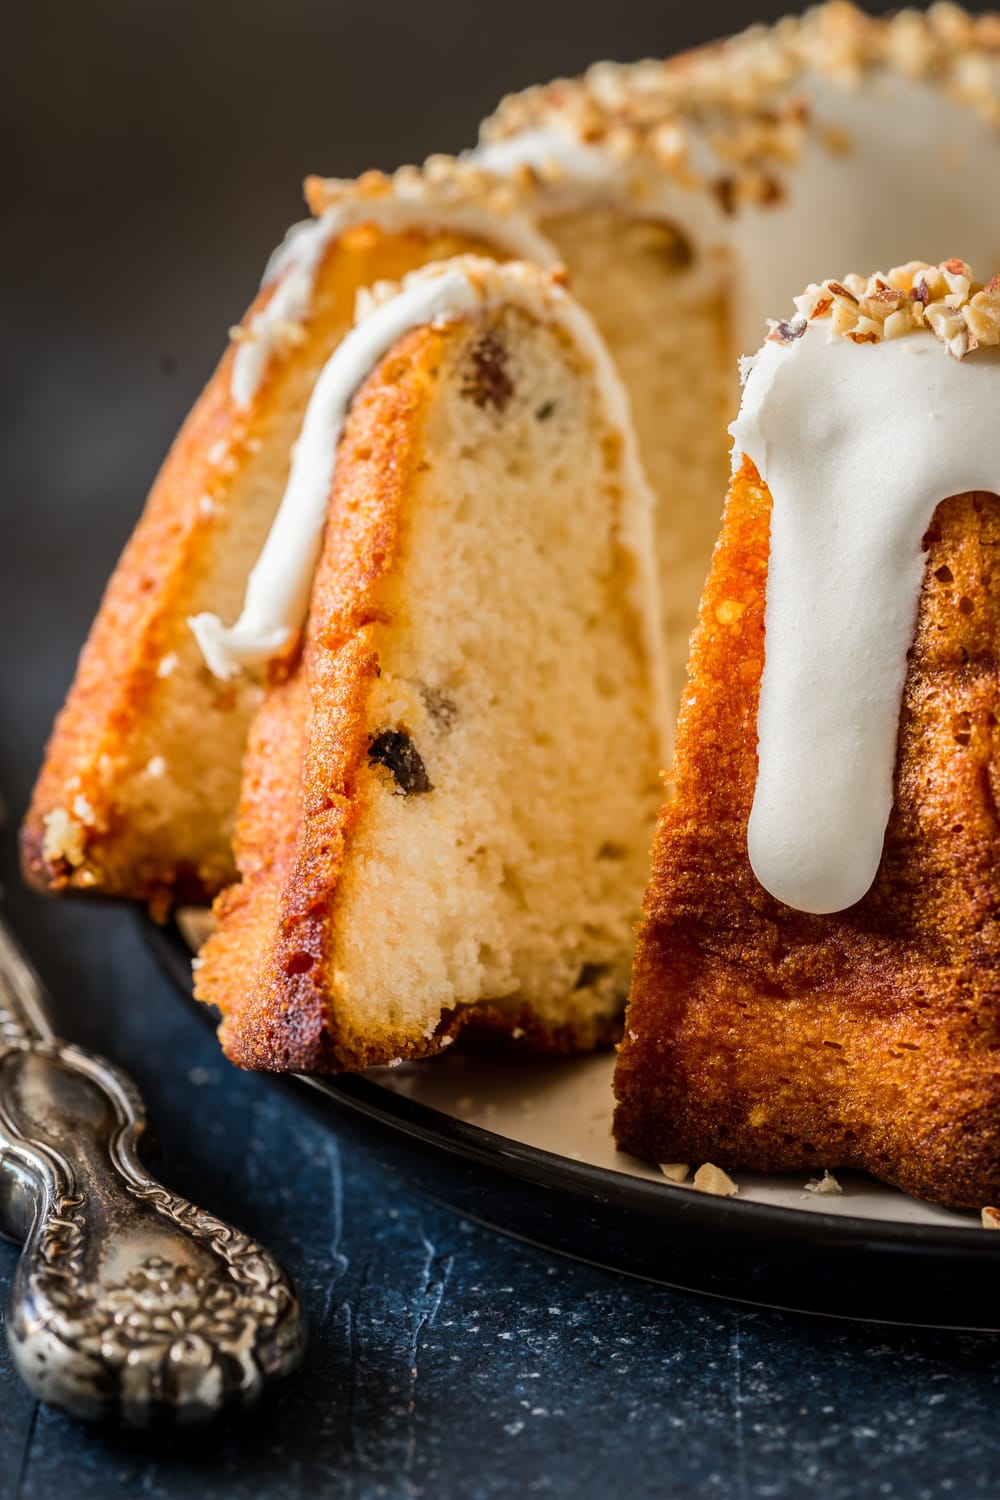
(154,156)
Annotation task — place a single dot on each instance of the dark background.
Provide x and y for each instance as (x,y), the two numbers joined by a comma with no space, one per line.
(152,156)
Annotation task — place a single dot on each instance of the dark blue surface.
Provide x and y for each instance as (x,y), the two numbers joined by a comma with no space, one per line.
(446,1361)
(158,155)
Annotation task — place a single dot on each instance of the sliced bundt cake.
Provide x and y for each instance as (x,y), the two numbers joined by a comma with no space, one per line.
(447,805)
(138,791)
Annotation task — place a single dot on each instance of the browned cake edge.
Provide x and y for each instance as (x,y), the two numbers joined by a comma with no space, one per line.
(117,675)
(264,968)
(768,1039)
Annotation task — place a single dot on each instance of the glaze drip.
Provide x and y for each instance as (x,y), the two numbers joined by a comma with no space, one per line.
(858,444)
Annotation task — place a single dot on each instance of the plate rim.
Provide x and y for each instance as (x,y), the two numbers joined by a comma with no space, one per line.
(524,1161)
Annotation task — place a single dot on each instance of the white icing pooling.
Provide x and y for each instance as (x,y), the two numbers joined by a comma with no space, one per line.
(294,264)
(278,590)
(858,444)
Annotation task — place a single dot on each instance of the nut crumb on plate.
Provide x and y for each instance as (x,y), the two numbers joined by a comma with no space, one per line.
(825,1184)
(675,1171)
(711,1179)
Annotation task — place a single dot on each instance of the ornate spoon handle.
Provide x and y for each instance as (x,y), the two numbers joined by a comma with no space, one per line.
(128,1301)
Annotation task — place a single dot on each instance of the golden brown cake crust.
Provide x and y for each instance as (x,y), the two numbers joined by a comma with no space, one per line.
(117,670)
(266,965)
(768,1039)
(111,701)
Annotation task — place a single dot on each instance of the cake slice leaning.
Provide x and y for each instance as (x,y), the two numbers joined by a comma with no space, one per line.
(817,976)
(138,791)
(447,805)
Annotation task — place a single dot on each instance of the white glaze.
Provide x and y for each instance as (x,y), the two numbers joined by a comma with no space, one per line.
(294,264)
(857,444)
(900,191)
(839,210)
(279,586)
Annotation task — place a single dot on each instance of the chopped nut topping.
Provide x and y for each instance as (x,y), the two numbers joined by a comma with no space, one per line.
(843,294)
(675,1171)
(744,98)
(714,1180)
(982,315)
(942,299)
(441,182)
(787,333)
(825,1184)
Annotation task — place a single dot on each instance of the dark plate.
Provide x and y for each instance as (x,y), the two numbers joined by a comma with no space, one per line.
(835,1264)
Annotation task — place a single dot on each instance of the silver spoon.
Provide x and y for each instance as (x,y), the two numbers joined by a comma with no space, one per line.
(128,1302)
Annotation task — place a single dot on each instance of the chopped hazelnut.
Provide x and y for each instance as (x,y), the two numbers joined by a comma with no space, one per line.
(675,1171)
(942,299)
(711,1179)
(825,1184)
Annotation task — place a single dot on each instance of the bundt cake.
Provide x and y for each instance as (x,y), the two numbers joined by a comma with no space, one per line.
(139,787)
(687,199)
(448,803)
(817,976)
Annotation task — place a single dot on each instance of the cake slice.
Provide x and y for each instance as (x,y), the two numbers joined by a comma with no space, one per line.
(447,805)
(817,976)
(138,791)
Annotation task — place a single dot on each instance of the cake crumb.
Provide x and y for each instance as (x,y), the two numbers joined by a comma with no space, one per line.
(712,1179)
(825,1184)
(674,1171)
(729,611)
(63,838)
(84,810)
(991,1218)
